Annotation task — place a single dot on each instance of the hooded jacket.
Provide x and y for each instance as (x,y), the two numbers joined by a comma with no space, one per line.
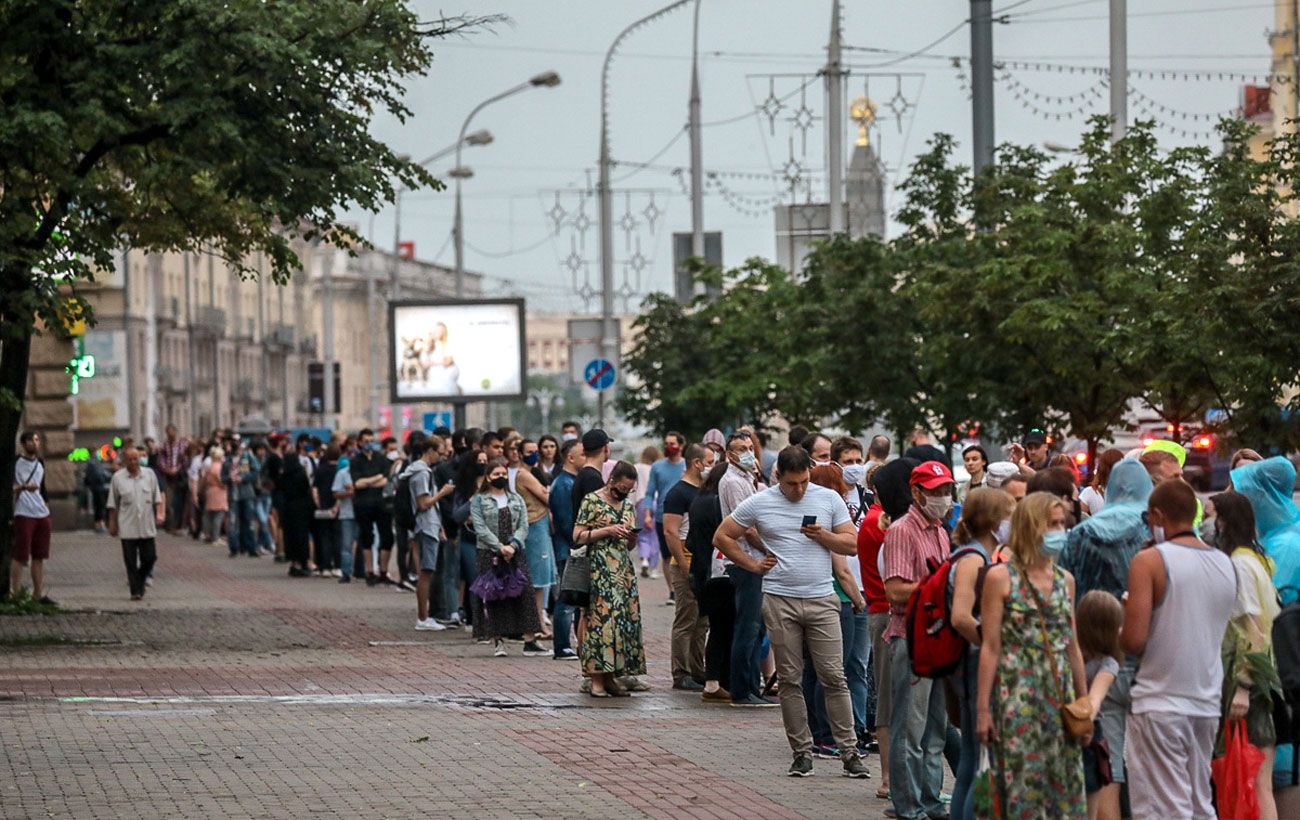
(1098,551)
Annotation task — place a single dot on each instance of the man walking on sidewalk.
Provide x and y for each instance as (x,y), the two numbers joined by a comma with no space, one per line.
(172,466)
(135,509)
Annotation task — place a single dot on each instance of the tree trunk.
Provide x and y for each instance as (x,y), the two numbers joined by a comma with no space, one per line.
(14,353)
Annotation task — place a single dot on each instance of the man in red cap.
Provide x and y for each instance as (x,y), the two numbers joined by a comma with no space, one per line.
(918,721)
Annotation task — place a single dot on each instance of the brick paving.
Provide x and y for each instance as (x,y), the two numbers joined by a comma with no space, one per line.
(235,691)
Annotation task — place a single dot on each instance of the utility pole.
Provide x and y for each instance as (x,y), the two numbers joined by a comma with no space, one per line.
(372,322)
(327,331)
(835,124)
(697,148)
(395,276)
(190,352)
(608,336)
(981,69)
(1118,69)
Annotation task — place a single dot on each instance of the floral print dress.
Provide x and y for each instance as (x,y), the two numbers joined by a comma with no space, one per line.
(1039,769)
(612,643)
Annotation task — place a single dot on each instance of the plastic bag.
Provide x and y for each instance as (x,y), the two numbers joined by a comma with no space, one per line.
(986,800)
(1234,775)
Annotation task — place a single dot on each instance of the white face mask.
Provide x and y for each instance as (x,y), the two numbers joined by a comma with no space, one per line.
(937,508)
(854,473)
(392,456)
(1158,533)
(1003,532)
(569,437)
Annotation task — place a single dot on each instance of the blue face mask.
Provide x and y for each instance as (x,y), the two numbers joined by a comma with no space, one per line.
(1053,543)
(531,459)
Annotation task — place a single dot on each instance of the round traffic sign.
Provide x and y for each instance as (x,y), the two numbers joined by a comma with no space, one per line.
(599,374)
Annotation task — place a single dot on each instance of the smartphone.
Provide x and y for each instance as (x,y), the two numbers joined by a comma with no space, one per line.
(635,530)
(808,521)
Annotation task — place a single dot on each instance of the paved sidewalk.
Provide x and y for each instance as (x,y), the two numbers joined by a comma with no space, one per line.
(233,690)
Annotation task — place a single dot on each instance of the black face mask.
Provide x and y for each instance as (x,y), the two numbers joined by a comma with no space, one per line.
(480,469)
(617,494)
(500,482)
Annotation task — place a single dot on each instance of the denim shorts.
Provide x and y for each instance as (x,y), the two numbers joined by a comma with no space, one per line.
(428,551)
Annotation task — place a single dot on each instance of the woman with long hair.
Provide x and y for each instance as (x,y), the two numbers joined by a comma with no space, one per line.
(500,521)
(612,645)
(216,500)
(545,466)
(1093,497)
(521,459)
(647,543)
(975,539)
(712,586)
(1249,674)
(1030,667)
(976,461)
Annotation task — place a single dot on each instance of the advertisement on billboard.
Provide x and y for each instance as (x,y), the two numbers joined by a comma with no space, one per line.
(101,400)
(456,350)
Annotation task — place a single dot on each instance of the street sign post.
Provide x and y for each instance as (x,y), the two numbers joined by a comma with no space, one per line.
(441,418)
(599,374)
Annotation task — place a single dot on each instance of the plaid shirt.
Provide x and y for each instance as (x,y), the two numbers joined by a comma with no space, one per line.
(171,456)
(910,543)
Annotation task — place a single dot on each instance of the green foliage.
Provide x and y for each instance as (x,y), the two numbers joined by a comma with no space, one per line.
(22,603)
(1043,293)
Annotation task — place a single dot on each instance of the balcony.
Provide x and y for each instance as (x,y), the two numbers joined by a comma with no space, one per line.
(171,381)
(210,321)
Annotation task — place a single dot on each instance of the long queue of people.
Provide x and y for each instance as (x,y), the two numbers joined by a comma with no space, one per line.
(1060,648)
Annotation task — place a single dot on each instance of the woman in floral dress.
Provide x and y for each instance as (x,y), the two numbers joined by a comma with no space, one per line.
(1030,665)
(612,644)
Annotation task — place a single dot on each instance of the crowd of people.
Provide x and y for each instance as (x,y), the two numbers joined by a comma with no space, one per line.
(1062,646)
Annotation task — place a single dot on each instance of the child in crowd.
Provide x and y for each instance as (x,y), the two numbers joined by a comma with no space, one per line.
(1100,617)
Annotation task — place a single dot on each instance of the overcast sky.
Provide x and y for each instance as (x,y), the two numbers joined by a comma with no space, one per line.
(546,140)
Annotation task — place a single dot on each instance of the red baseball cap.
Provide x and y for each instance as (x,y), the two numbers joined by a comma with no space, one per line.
(930,475)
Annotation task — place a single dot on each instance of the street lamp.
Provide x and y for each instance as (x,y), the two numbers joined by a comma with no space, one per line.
(547,79)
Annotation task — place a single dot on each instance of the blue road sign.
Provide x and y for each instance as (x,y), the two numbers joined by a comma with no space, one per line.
(599,373)
(432,421)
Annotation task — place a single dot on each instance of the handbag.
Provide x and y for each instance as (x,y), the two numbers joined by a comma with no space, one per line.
(1076,716)
(575,585)
(502,581)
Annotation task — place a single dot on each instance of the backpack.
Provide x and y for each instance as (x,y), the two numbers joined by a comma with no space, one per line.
(404,514)
(933,646)
(1286,655)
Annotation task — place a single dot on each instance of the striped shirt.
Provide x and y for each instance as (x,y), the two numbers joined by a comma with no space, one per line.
(910,543)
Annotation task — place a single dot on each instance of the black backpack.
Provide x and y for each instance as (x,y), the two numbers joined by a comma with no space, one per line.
(1286,654)
(404,513)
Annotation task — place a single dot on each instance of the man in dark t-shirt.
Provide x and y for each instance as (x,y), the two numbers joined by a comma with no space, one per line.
(369,472)
(690,630)
(595,451)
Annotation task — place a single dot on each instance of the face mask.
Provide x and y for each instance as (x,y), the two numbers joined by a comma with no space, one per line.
(531,459)
(391,456)
(937,508)
(1212,531)
(569,437)
(1053,543)
(372,447)
(854,473)
(617,494)
(820,463)
(343,462)
(1158,533)
(500,482)
(747,461)
(1003,532)
(672,450)
(480,469)
(144,461)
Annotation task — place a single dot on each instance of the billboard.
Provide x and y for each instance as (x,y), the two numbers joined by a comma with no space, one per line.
(101,401)
(456,350)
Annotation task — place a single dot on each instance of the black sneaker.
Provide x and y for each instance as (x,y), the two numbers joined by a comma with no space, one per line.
(346,579)
(566,655)
(854,767)
(371,580)
(802,766)
(688,685)
(533,649)
(752,700)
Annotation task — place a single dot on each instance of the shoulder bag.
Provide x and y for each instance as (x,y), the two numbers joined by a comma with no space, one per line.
(1076,716)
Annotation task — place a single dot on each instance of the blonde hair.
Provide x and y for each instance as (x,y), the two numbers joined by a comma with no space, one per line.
(985,508)
(216,453)
(1028,524)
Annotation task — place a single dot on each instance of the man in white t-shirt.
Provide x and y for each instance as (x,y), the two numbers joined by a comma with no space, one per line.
(800,526)
(31,517)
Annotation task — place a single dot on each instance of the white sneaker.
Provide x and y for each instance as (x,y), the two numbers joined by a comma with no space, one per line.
(337,573)
(500,651)
(428,625)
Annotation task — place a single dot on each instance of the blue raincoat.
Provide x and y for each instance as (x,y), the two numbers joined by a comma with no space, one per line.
(1098,551)
(1269,485)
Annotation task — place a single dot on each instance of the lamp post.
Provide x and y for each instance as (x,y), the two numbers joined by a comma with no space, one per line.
(547,79)
(608,338)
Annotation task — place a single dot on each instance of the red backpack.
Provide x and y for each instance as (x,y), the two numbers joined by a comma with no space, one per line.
(933,646)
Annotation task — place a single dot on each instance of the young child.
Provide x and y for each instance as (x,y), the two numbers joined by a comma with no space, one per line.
(1099,618)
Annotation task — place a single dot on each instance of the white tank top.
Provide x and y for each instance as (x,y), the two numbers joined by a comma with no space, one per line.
(512,473)
(1181,670)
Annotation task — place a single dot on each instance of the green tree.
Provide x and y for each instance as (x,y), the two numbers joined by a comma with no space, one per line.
(239,126)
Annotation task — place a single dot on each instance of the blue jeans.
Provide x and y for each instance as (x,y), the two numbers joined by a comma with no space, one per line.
(262,507)
(347,532)
(239,526)
(746,637)
(857,654)
(561,617)
(966,681)
(917,731)
(467,571)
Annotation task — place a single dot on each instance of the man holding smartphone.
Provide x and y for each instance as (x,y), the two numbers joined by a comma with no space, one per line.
(800,525)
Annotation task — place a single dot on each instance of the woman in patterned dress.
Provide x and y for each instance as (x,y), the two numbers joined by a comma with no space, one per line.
(1030,665)
(612,644)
